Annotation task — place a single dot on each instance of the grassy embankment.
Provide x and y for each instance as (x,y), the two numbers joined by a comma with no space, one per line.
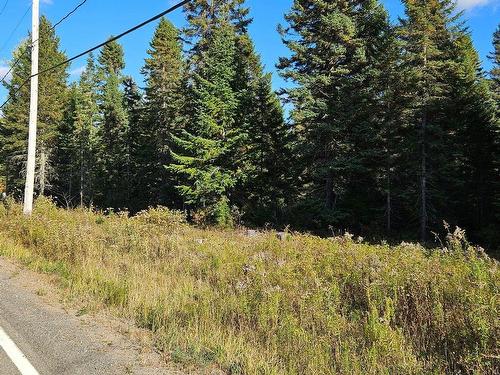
(258,305)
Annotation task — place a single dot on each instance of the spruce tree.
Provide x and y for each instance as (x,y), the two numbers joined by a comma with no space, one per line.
(52,98)
(332,66)
(77,141)
(468,173)
(205,146)
(135,169)
(164,115)
(114,157)
(385,161)
(13,131)
(263,153)
(495,71)
(258,131)
(204,16)
(495,88)
(268,185)
(428,33)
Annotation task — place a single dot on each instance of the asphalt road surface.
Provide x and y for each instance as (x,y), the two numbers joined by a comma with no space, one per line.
(39,336)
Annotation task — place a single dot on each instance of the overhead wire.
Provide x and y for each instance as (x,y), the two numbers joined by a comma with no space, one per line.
(69,14)
(13,65)
(110,40)
(15,29)
(4,6)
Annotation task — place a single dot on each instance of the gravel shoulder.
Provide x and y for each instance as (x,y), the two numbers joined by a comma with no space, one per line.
(58,340)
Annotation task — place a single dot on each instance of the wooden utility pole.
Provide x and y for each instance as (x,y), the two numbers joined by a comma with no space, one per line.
(30,166)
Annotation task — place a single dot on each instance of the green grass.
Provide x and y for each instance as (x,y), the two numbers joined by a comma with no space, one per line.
(258,305)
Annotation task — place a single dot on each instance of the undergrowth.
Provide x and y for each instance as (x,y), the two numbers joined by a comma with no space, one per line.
(265,305)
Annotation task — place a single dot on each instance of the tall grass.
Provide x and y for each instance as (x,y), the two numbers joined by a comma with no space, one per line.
(260,305)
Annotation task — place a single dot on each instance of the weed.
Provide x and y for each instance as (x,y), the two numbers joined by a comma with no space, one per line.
(259,305)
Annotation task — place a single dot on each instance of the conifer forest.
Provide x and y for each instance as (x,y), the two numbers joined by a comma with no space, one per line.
(387,130)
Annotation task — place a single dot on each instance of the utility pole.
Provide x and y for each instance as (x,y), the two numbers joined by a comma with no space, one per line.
(30,166)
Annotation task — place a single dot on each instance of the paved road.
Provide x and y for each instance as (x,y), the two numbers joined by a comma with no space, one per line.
(39,332)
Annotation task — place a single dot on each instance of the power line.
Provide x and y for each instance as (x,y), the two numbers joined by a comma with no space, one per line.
(15,28)
(152,19)
(69,14)
(4,6)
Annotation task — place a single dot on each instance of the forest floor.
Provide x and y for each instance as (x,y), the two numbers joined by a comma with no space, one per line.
(238,302)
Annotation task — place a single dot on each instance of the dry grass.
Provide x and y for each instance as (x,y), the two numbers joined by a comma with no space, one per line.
(258,305)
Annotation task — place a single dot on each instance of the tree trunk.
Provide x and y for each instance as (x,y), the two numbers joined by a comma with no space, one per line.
(329,193)
(81,178)
(43,170)
(423,166)
(423,181)
(389,207)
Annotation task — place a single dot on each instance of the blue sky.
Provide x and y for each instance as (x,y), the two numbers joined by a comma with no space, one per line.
(98,19)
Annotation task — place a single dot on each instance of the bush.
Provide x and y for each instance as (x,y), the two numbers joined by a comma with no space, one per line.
(161,216)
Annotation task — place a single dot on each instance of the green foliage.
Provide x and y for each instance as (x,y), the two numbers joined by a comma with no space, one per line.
(334,54)
(77,142)
(265,155)
(391,128)
(52,98)
(495,88)
(114,146)
(204,15)
(206,147)
(163,115)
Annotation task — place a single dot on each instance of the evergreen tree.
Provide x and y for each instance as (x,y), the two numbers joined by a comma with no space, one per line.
(164,114)
(205,16)
(495,88)
(495,71)
(269,184)
(77,143)
(428,33)
(114,153)
(52,97)
(13,131)
(332,65)
(135,169)
(258,131)
(385,163)
(205,146)
(263,153)
(466,176)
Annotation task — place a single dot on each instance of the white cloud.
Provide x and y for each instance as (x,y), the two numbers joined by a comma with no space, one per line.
(48,2)
(77,71)
(469,4)
(3,71)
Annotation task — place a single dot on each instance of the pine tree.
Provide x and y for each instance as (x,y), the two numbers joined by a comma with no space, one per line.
(52,98)
(164,106)
(205,146)
(114,153)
